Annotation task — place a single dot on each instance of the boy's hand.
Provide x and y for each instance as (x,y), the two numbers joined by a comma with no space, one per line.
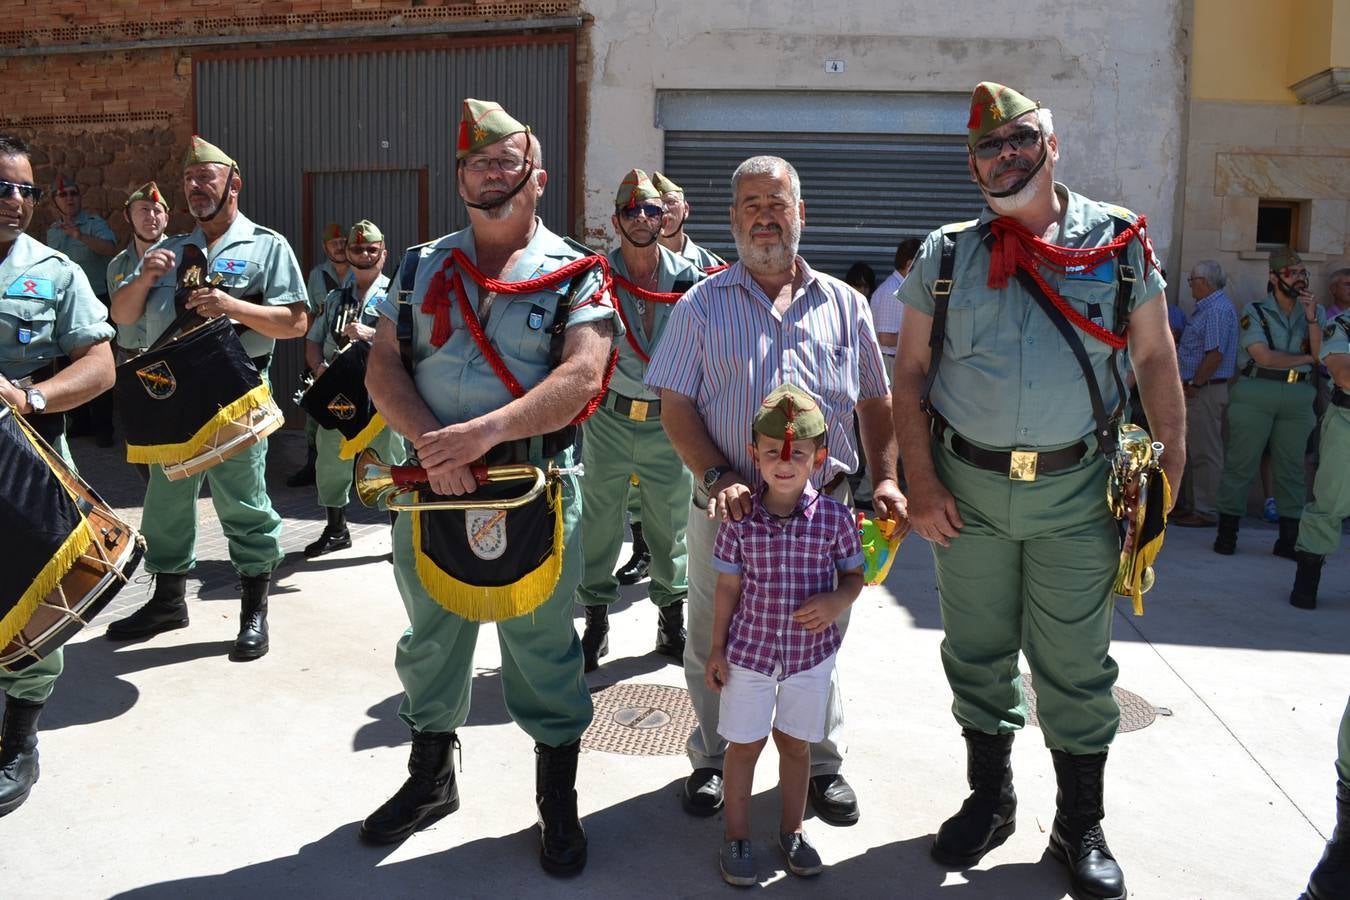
(819,612)
(716,672)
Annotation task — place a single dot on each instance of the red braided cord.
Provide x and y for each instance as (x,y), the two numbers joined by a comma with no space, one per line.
(642,293)
(628,330)
(713,270)
(1015,247)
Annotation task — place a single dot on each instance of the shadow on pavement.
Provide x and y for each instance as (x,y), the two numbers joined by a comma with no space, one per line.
(486,707)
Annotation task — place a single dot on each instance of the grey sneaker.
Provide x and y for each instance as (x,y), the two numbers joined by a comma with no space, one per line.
(738,864)
(802,858)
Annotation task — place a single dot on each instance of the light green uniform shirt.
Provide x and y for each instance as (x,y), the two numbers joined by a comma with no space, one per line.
(632,369)
(1336,336)
(1007,378)
(93,264)
(47,309)
(253,262)
(702,258)
(318,286)
(321,329)
(455,380)
(159,312)
(1288,334)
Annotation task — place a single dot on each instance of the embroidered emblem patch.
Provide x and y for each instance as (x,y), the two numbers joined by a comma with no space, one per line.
(1245,322)
(229,266)
(486,530)
(536,320)
(26,286)
(343,408)
(158,380)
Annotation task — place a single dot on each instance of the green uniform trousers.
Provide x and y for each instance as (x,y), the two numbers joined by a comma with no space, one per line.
(542,681)
(1032,571)
(1261,412)
(635,504)
(1343,748)
(239,494)
(35,683)
(1320,529)
(333,475)
(612,448)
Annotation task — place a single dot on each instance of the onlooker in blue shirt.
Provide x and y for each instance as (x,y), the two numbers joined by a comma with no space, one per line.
(1207,357)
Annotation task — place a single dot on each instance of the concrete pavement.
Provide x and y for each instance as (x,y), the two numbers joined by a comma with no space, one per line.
(169,771)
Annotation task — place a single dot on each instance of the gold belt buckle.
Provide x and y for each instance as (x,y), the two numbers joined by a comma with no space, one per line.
(638,411)
(1022,465)
(1292,377)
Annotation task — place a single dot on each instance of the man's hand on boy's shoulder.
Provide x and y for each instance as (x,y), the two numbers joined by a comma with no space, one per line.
(731,498)
(716,672)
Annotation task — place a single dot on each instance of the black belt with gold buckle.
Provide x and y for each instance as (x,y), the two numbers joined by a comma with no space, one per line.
(1340,398)
(1019,465)
(510,453)
(1288,376)
(637,410)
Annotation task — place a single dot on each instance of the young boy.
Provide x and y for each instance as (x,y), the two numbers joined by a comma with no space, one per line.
(774,637)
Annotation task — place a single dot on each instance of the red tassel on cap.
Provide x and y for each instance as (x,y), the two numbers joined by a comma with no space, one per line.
(786,453)
(463,142)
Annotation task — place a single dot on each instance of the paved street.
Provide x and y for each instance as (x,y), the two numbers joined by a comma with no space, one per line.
(170,772)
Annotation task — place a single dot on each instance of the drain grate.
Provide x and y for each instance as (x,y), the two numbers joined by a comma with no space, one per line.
(640,720)
(1135,711)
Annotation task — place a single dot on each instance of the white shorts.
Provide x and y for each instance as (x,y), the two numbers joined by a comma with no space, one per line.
(753,703)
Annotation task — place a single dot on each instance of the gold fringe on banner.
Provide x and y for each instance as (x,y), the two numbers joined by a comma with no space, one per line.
(479,603)
(72,548)
(168,454)
(350,448)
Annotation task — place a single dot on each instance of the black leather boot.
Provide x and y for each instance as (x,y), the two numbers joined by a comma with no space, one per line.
(639,563)
(429,793)
(1284,544)
(252,640)
(595,639)
(1331,879)
(987,817)
(1225,541)
(1077,839)
(164,611)
(1306,580)
(18,753)
(335,535)
(670,633)
(304,475)
(562,840)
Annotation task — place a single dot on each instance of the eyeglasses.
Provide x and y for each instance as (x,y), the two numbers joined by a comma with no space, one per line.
(1288,274)
(1020,140)
(26,191)
(650,210)
(507,165)
(68,192)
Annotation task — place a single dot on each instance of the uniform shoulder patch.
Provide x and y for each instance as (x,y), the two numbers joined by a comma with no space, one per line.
(1121,212)
(1245,322)
(958,227)
(1329,331)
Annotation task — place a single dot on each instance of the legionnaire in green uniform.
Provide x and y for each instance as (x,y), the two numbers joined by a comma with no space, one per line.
(455,410)
(1272,401)
(1331,879)
(1006,470)
(625,435)
(324,278)
(348,314)
(1319,530)
(677,213)
(48,313)
(262,289)
(147,212)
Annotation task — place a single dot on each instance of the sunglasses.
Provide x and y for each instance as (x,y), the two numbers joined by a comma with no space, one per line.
(1019,140)
(363,249)
(650,210)
(26,191)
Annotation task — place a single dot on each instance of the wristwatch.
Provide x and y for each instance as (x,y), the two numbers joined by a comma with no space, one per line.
(713,475)
(37,400)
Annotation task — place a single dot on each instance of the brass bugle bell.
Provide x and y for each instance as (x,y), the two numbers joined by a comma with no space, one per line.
(379,482)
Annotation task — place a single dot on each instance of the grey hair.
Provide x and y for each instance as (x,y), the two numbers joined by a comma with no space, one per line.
(767,165)
(1046,120)
(1211,271)
(1339,273)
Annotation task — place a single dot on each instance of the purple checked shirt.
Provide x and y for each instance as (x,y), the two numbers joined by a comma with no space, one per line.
(726,347)
(782,563)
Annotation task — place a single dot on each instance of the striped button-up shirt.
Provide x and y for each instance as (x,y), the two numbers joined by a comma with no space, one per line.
(782,563)
(1213,326)
(726,347)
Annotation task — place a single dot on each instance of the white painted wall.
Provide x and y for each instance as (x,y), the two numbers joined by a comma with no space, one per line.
(1114,75)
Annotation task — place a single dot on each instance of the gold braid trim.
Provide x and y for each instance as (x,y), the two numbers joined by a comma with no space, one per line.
(349,448)
(46,581)
(168,454)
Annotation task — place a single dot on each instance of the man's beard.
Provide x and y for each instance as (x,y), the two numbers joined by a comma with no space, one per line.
(363,266)
(1007,205)
(769,260)
(203,205)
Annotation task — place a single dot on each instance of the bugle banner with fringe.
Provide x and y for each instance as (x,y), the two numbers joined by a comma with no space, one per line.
(489,563)
(45,533)
(173,400)
(338,400)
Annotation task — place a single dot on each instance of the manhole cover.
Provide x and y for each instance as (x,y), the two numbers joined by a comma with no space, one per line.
(640,720)
(1135,711)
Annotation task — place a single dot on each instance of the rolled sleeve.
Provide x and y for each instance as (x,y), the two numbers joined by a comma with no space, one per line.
(285,281)
(594,305)
(727,556)
(81,318)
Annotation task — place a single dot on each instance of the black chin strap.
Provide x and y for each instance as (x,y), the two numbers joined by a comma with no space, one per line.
(655,237)
(225,195)
(1289,290)
(493,204)
(998,195)
(678,228)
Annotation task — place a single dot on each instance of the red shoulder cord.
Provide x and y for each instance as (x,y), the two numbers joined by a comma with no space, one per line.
(1015,247)
(436,302)
(641,294)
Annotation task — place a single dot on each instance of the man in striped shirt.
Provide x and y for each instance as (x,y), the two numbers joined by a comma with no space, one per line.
(766,320)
